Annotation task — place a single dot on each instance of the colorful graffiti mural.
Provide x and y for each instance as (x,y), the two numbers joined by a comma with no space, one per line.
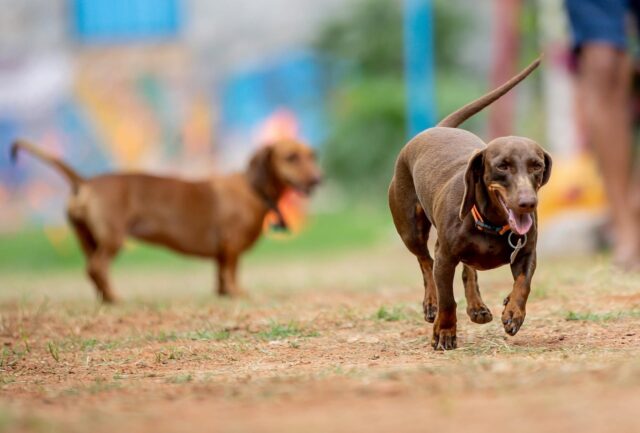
(128,108)
(128,91)
(132,108)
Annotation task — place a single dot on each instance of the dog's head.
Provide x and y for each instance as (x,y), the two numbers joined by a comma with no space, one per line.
(286,163)
(512,170)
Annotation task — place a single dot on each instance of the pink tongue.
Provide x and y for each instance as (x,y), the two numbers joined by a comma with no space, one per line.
(520,223)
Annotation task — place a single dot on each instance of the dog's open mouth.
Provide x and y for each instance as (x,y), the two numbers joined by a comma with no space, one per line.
(519,222)
(302,189)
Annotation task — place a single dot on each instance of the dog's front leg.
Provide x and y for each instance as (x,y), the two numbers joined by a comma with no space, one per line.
(444,328)
(227,268)
(516,303)
(227,275)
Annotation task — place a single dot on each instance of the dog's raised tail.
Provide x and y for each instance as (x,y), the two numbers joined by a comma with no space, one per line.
(454,119)
(70,174)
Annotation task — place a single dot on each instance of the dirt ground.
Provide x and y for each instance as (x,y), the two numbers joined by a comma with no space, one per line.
(325,344)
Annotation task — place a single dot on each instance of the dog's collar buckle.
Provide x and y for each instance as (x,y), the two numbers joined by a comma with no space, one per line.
(484,226)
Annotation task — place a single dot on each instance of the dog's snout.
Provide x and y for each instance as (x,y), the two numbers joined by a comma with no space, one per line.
(315,181)
(527,203)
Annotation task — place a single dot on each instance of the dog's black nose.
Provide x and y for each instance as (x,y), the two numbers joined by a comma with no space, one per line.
(527,204)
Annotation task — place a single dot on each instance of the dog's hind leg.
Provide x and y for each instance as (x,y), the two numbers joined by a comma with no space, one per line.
(413,226)
(98,270)
(444,328)
(99,255)
(430,301)
(476,309)
(83,234)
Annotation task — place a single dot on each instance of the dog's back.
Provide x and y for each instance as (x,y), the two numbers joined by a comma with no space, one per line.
(437,158)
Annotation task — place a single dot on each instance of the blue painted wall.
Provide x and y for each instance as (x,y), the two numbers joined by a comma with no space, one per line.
(126,20)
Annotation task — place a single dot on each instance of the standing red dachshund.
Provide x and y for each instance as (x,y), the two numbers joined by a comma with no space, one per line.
(219,218)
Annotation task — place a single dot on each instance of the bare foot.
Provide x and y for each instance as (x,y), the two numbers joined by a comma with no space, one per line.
(626,252)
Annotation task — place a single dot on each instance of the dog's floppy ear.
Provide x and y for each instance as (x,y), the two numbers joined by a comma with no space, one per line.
(472,176)
(261,166)
(547,168)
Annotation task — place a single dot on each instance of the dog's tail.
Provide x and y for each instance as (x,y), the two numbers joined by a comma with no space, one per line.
(70,174)
(454,119)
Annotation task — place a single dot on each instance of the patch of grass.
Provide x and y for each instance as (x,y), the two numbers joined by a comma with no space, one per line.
(6,380)
(101,385)
(163,336)
(180,379)
(340,370)
(492,346)
(393,315)
(76,343)
(601,317)
(328,233)
(157,306)
(171,354)
(88,344)
(10,356)
(209,335)
(54,350)
(204,334)
(324,233)
(540,291)
(279,331)
(175,354)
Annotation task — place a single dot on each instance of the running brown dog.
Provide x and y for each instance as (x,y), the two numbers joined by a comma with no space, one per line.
(481,198)
(218,218)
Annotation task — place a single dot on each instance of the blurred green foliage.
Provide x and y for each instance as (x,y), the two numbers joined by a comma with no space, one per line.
(368,106)
(369,35)
(327,233)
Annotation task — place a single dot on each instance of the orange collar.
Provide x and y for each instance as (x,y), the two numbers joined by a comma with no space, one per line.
(487,227)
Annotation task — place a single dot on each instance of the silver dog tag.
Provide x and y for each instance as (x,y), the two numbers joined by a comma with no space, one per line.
(516,250)
(517,247)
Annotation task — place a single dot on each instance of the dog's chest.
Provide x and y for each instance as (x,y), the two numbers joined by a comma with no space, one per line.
(485,252)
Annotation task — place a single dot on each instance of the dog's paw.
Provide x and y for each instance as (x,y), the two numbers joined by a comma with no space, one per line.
(512,319)
(109,299)
(479,314)
(444,338)
(236,293)
(430,311)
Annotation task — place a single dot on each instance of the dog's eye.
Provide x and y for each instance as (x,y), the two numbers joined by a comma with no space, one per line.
(503,166)
(535,167)
(292,157)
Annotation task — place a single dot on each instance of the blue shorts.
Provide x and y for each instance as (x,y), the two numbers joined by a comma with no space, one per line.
(600,21)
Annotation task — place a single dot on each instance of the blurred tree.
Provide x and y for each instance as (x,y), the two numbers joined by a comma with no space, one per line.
(365,49)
